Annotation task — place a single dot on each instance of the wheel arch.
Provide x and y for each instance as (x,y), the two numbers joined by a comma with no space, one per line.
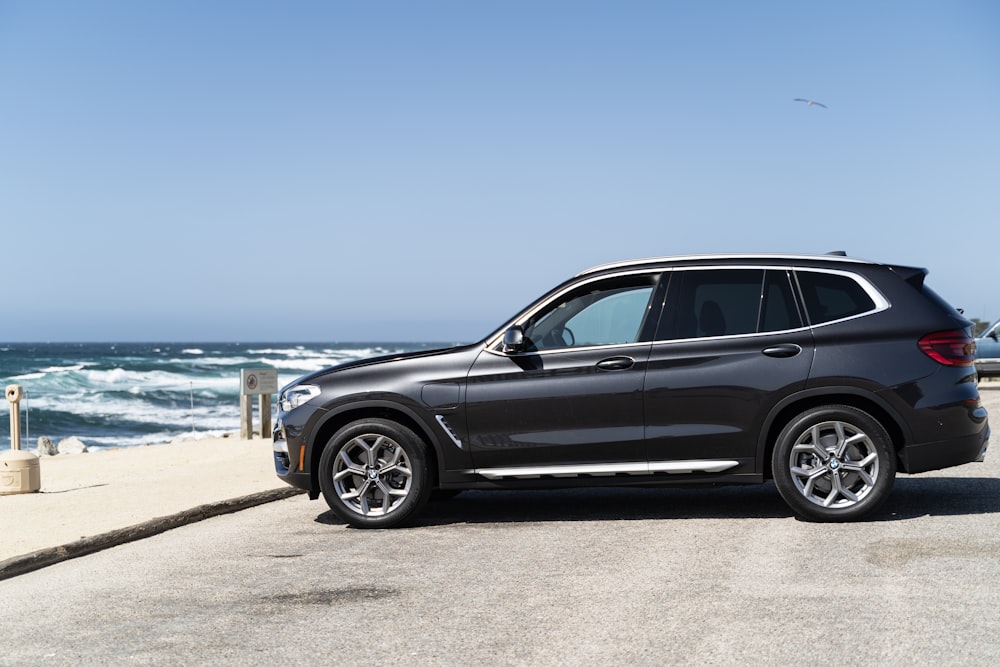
(785,411)
(393,412)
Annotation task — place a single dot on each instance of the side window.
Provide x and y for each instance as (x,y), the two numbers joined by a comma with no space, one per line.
(729,302)
(778,310)
(832,296)
(717,302)
(606,313)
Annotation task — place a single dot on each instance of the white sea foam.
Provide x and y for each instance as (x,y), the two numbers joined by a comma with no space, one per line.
(193,350)
(297,351)
(63,369)
(97,408)
(115,376)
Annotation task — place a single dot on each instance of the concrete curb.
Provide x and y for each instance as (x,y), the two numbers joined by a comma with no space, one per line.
(36,560)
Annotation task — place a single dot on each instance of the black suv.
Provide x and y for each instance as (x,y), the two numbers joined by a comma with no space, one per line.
(825,373)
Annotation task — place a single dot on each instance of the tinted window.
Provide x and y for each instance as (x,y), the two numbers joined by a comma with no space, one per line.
(832,296)
(727,302)
(606,313)
(778,311)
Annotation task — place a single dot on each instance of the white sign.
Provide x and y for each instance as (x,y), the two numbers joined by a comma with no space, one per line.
(258,381)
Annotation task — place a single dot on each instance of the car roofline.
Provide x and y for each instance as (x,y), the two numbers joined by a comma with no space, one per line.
(740,256)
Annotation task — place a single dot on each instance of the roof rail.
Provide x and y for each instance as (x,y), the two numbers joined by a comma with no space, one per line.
(714,256)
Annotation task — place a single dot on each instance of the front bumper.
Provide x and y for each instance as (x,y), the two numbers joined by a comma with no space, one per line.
(290,470)
(282,464)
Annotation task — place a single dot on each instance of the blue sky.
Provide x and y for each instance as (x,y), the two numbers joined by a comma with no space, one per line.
(337,171)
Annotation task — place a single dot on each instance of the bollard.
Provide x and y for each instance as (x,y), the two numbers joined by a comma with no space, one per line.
(19,471)
(14,394)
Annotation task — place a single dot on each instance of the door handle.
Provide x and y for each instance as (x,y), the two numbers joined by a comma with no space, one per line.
(783,351)
(616,363)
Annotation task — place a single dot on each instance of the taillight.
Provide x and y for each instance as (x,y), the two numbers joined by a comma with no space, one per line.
(951,348)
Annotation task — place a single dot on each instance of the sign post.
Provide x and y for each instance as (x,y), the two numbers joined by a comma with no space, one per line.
(260,382)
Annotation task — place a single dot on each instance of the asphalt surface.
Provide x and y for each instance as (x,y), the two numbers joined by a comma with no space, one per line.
(642,576)
(584,577)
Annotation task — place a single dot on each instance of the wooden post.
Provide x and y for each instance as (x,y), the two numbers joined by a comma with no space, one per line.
(246,417)
(265,416)
(260,382)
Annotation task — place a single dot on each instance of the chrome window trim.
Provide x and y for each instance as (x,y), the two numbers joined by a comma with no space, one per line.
(881,303)
(606,469)
(527,315)
(756,334)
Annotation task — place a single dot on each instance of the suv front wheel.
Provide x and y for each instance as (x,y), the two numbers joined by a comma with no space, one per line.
(373,473)
(834,463)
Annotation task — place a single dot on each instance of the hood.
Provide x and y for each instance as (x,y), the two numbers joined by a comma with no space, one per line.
(372,361)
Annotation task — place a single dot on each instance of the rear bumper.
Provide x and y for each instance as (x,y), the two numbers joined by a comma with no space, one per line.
(945,453)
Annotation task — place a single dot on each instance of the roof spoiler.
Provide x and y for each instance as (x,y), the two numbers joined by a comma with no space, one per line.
(912,275)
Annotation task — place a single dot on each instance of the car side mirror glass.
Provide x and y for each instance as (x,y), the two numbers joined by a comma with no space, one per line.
(513,340)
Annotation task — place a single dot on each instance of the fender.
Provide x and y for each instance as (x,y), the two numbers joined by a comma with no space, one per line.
(446,454)
(817,395)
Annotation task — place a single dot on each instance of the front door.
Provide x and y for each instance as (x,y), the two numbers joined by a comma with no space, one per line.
(571,401)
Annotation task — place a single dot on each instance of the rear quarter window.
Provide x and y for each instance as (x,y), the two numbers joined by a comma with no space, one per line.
(832,296)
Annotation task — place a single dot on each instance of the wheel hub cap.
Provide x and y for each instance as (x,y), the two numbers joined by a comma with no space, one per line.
(372,475)
(834,464)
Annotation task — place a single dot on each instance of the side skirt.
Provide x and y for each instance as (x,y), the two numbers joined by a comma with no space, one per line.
(607,469)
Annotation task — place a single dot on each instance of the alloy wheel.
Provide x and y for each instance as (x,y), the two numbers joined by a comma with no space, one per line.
(372,475)
(834,464)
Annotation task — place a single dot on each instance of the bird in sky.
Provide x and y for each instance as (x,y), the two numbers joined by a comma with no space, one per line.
(811,103)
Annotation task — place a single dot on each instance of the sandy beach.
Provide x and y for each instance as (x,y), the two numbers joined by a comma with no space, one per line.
(88,494)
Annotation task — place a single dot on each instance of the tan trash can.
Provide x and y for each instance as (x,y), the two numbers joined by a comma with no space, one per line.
(19,472)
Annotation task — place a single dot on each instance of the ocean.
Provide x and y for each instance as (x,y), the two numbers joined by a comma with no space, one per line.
(127,394)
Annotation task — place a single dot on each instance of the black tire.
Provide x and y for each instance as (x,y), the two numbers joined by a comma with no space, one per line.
(834,463)
(373,474)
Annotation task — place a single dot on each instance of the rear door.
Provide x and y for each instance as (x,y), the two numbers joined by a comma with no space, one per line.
(730,345)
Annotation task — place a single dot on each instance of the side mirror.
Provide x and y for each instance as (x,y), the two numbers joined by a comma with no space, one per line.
(513,340)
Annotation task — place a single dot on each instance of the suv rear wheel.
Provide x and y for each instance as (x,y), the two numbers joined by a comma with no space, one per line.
(373,474)
(834,463)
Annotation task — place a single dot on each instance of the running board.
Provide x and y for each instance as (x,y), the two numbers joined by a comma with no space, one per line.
(607,469)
